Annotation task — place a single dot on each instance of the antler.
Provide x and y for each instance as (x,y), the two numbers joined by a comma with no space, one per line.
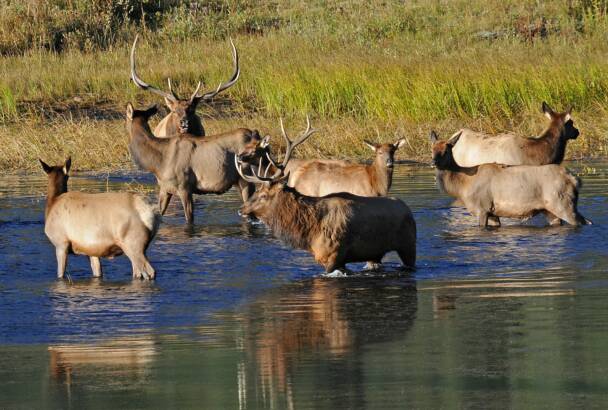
(291,145)
(235,76)
(142,84)
(255,178)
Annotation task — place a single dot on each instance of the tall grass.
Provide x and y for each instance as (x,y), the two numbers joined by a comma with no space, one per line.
(385,69)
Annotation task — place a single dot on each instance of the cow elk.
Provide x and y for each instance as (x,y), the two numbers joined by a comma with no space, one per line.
(182,118)
(476,148)
(338,228)
(316,177)
(185,165)
(494,190)
(97,225)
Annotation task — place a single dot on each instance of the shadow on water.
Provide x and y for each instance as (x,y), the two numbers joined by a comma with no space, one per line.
(492,318)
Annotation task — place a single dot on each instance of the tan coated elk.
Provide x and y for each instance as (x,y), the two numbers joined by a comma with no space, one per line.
(182,118)
(97,225)
(475,148)
(185,165)
(338,228)
(316,177)
(494,190)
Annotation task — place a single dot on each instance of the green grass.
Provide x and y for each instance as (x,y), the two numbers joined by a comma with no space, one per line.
(363,71)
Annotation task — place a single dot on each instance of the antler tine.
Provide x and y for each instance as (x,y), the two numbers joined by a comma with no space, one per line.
(142,84)
(292,145)
(255,178)
(235,76)
(171,88)
(195,93)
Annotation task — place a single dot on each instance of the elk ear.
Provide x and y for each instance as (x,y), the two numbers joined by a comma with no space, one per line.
(130,111)
(370,144)
(67,165)
(549,113)
(568,116)
(170,103)
(47,168)
(433,137)
(454,139)
(265,141)
(399,143)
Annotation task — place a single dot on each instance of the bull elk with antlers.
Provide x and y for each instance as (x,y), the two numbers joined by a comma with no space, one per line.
(97,225)
(182,118)
(338,228)
(185,165)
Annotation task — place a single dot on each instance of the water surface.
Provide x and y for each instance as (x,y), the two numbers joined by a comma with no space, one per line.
(514,317)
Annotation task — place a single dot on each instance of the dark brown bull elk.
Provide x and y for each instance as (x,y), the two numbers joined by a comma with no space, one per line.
(337,229)
(182,118)
(185,165)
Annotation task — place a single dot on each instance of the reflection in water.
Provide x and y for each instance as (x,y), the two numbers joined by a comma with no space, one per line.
(331,318)
(126,359)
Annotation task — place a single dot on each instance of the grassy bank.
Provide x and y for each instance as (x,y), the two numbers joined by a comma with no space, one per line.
(377,72)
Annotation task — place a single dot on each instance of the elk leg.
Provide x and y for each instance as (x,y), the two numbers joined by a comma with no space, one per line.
(552,219)
(483,218)
(96,266)
(246,189)
(62,259)
(408,256)
(186,198)
(493,220)
(164,198)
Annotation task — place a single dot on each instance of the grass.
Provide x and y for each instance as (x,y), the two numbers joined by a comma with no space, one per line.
(378,72)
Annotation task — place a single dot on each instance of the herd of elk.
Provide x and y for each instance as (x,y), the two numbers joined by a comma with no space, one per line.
(97,225)
(496,190)
(337,210)
(182,118)
(338,228)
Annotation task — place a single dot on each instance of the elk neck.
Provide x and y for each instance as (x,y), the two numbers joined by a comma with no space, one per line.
(293,218)
(455,179)
(554,143)
(381,176)
(147,150)
(57,185)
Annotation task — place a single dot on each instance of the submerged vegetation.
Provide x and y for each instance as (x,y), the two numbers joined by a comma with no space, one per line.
(378,71)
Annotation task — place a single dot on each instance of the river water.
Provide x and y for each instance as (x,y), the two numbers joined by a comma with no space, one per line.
(515,317)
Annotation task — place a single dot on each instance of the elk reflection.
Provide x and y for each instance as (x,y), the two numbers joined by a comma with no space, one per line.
(326,319)
(130,358)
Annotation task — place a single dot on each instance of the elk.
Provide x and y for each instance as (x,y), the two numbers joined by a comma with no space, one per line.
(338,228)
(476,148)
(496,190)
(97,225)
(182,118)
(315,177)
(185,165)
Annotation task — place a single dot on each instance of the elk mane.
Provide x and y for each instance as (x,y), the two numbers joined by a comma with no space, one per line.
(297,219)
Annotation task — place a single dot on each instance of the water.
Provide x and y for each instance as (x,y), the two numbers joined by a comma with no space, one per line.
(514,317)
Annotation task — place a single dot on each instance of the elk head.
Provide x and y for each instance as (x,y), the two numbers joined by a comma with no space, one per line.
(385,153)
(58,175)
(561,121)
(183,119)
(443,157)
(269,186)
